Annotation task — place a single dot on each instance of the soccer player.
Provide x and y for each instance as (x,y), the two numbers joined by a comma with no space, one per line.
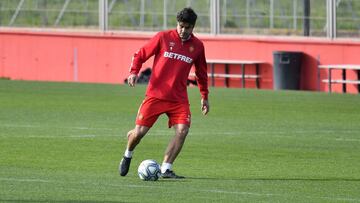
(175,52)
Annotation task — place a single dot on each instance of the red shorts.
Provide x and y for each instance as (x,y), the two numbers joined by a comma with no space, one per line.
(151,108)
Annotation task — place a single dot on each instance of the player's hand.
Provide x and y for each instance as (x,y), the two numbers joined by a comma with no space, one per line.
(205,106)
(132,80)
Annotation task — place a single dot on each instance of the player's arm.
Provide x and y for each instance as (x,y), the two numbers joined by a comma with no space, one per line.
(142,55)
(202,80)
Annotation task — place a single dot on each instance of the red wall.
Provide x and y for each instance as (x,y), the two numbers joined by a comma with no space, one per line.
(105,58)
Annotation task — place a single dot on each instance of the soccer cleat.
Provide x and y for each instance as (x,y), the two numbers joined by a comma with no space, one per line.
(171,175)
(124,166)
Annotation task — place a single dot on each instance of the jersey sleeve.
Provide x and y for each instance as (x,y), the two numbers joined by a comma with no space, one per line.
(144,53)
(201,74)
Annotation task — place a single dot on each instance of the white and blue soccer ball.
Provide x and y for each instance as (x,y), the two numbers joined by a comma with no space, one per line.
(149,170)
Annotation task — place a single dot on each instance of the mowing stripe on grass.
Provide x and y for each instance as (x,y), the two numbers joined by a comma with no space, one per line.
(163,132)
(243,193)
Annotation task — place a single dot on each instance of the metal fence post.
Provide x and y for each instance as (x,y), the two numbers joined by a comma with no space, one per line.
(215,17)
(295,14)
(271,16)
(331,18)
(306,17)
(103,15)
(164,14)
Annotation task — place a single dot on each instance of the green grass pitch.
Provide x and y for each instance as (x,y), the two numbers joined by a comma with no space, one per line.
(62,142)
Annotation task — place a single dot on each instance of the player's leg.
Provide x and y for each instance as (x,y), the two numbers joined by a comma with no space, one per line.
(175,145)
(148,113)
(134,138)
(173,149)
(180,120)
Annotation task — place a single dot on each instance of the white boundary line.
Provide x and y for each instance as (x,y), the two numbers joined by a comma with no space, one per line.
(279,134)
(192,189)
(56,127)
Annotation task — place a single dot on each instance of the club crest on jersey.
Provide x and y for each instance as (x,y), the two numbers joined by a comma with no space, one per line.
(191,48)
(171,45)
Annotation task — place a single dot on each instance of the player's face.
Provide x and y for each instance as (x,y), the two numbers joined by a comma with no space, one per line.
(184,30)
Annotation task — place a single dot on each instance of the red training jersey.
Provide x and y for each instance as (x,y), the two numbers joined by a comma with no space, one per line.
(172,63)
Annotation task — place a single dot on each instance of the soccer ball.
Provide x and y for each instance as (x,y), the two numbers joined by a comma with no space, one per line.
(149,170)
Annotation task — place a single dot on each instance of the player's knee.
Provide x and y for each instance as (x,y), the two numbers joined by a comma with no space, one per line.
(182,132)
(141,132)
(135,134)
(130,133)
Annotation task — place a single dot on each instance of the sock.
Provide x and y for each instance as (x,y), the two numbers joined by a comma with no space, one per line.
(165,166)
(128,154)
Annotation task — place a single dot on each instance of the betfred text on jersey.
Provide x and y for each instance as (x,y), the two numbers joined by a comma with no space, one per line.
(176,56)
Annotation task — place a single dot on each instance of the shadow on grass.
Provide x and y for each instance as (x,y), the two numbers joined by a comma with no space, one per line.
(56,201)
(278,179)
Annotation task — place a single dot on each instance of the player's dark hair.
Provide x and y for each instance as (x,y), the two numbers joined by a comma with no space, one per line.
(187,15)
